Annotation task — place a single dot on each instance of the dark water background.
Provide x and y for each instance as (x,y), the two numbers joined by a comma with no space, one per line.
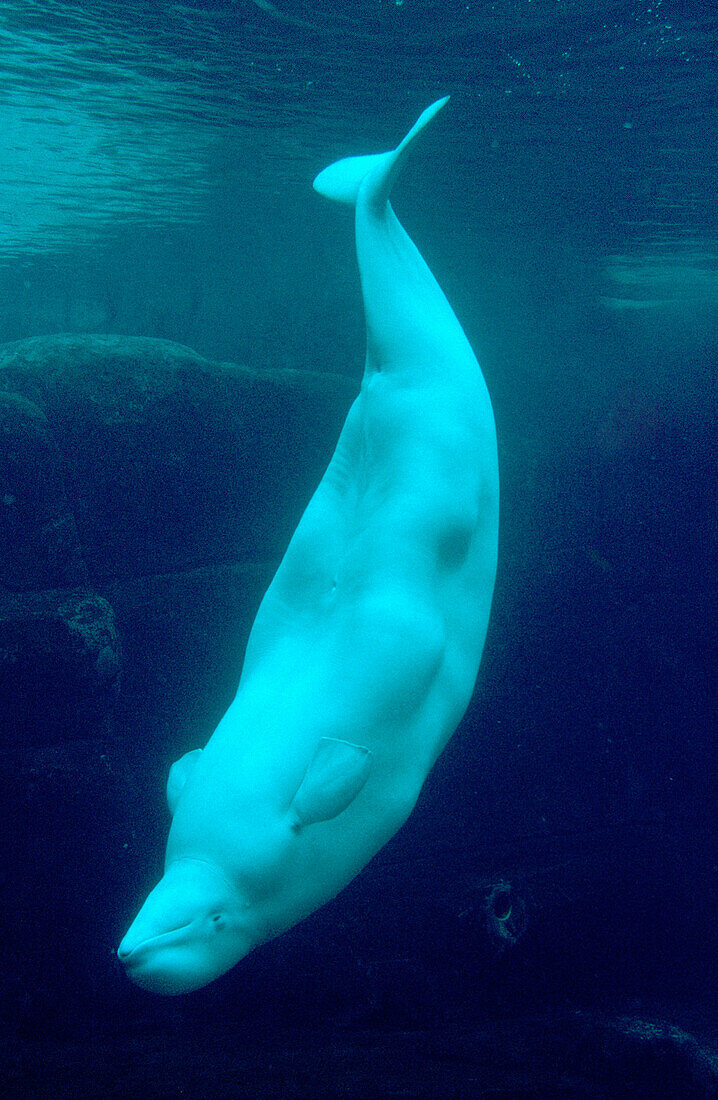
(155,179)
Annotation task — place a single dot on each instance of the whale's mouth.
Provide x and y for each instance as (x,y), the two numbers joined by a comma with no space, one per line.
(128,953)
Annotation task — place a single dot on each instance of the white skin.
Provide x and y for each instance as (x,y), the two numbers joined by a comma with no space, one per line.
(370,634)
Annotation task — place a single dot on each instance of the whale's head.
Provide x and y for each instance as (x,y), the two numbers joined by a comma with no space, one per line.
(200,920)
(189,931)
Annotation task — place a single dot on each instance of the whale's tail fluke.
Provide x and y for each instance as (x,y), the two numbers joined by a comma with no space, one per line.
(342,180)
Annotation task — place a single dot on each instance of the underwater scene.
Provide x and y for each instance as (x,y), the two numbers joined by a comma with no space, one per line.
(358,527)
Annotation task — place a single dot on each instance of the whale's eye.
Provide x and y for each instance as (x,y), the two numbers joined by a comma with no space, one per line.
(217,922)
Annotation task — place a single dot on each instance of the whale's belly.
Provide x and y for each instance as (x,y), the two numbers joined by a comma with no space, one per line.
(387,580)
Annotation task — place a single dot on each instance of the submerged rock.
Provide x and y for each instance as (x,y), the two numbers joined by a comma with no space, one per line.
(164,460)
(121,460)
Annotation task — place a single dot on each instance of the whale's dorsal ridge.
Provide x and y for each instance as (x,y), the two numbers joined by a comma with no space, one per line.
(337,772)
(178,776)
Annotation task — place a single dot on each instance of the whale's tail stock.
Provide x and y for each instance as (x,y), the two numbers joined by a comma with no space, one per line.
(342,180)
(410,324)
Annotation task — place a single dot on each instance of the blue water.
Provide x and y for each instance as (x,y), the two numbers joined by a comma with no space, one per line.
(155,180)
(170,134)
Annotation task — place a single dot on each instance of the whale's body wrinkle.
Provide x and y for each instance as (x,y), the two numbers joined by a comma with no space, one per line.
(364,652)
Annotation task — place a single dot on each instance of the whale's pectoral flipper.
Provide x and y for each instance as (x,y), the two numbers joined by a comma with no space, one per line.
(337,772)
(178,776)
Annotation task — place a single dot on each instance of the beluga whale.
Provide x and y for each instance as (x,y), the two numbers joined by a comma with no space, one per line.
(365,650)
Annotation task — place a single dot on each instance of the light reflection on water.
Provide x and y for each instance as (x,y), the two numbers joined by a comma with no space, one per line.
(116,116)
(105,120)
(88,136)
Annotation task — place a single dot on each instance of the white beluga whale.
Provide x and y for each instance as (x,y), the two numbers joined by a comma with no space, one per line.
(365,650)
